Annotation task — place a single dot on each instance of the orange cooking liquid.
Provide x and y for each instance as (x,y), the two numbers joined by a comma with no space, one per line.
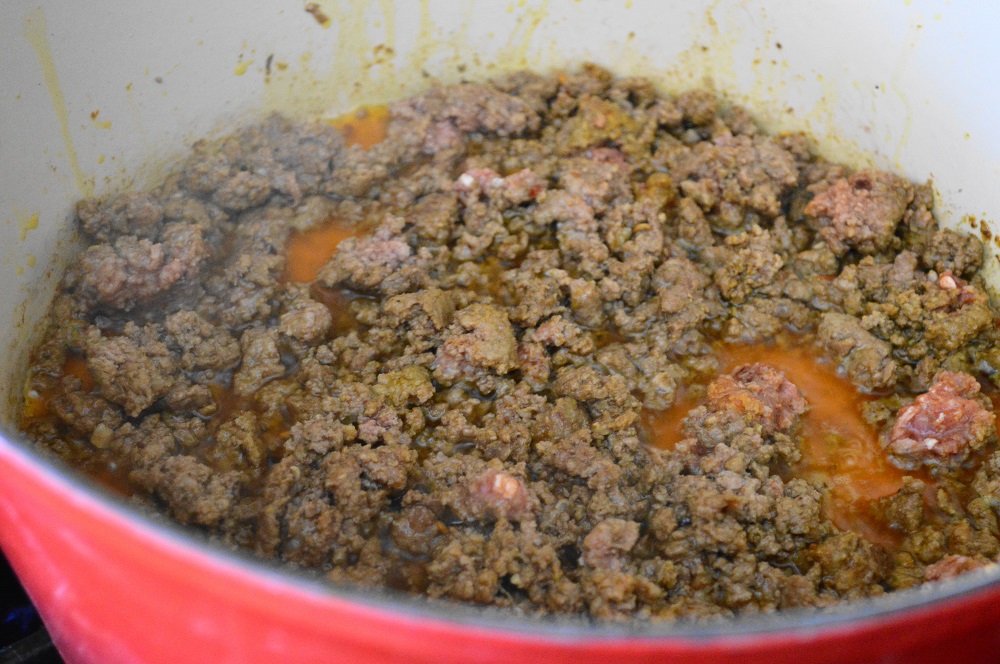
(337,302)
(309,250)
(666,427)
(838,445)
(36,404)
(97,467)
(364,127)
(76,365)
(274,427)
(114,480)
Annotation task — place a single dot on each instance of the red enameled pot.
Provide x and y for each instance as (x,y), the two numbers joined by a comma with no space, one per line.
(98,96)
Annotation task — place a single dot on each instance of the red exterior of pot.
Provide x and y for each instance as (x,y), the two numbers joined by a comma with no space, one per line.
(114,589)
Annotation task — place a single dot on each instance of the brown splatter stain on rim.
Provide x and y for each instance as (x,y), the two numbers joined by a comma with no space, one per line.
(318,14)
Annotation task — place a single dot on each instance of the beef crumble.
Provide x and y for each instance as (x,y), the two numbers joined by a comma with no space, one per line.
(457,402)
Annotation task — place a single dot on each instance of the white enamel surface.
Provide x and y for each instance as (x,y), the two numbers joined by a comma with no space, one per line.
(909,86)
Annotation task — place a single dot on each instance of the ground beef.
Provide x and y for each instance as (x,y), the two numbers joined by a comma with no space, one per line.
(196,493)
(759,394)
(446,115)
(132,270)
(306,320)
(261,361)
(735,174)
(958,313)
(86,414)
(202,345)
(131,214)
(950,567)
(943,425)
(608,541)
(853,566)
(482,339)
(276,157)
(751,267)
(862,211)
(949,251)
(243,286)
(866,359)
(465,402)
(132,370)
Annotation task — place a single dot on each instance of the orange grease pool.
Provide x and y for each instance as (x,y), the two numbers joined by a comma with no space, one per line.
(839,446)
(309,250)
(364,127)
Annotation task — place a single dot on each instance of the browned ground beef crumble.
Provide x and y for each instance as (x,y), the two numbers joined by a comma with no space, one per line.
(544,257)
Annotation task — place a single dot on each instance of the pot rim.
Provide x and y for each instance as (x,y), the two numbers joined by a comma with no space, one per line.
(869,612)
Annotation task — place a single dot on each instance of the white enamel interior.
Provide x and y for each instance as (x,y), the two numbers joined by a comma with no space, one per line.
(909,86)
